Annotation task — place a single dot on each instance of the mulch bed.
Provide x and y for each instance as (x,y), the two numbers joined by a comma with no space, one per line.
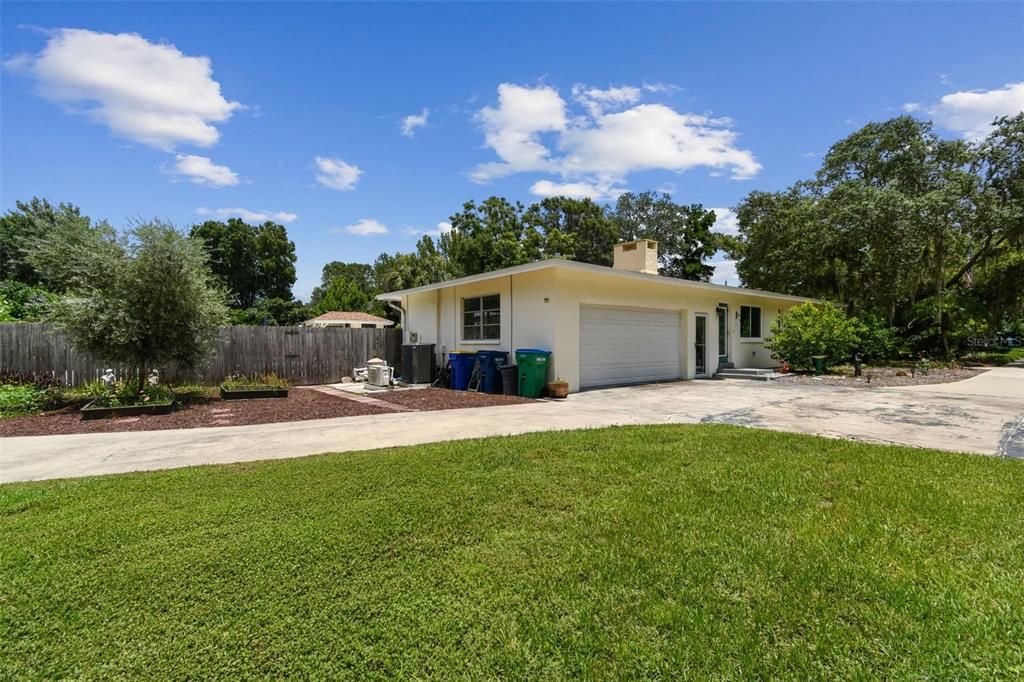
(300,405)
(445,399)
(882,377)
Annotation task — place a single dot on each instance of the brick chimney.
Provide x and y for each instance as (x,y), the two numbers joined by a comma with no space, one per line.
(639,256)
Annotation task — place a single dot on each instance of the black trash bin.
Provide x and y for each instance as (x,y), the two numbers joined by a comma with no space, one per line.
(510,379)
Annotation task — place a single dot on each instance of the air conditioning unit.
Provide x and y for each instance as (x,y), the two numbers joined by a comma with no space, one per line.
(378,375)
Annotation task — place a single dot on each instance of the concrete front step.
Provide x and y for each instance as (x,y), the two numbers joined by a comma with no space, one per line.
(748,373)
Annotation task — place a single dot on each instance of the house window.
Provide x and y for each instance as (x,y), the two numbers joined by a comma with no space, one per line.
(370,325)
(481,318)
(750,322)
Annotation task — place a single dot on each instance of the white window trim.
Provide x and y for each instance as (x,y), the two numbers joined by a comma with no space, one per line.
(462,321)
(760,317)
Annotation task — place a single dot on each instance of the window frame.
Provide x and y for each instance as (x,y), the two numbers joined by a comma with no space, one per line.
(483,325)
(760,323)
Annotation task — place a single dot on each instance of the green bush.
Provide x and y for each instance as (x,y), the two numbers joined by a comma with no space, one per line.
(879,341)
(238,382)
(125,394)
(23,303)
(811,329)
(998,358)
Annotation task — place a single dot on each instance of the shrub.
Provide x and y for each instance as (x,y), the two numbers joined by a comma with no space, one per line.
(23,303)
(123,394)
(241,381)
(811,329)
(879,341)
(141,302)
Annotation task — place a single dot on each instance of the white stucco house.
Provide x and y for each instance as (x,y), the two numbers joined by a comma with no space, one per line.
(604,326)
(348,320)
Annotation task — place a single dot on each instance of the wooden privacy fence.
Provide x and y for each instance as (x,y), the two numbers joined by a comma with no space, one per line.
(303,355)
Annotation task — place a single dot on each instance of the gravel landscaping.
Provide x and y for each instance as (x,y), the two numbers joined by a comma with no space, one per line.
(300,405)
(881,377)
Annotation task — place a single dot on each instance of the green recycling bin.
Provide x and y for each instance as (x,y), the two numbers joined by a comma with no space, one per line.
(533,371)
(819,364)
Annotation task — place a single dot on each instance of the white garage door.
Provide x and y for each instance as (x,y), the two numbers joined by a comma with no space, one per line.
(627,346)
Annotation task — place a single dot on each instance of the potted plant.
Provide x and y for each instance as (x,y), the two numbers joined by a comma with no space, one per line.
(559,388)
(242,387)
(126,399)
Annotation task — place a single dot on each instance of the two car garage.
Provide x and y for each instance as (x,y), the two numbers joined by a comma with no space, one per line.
(628,346)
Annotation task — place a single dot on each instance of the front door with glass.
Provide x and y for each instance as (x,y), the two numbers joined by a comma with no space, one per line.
(723,333)
(700,346)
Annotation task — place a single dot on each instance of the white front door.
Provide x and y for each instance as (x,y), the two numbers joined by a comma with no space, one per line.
(628,346)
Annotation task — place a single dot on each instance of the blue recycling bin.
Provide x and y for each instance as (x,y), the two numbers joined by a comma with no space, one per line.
(462,368)
(490,369)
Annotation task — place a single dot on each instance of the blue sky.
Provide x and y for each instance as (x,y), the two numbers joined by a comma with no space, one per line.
(297,111)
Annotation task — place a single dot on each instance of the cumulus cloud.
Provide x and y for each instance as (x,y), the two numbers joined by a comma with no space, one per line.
(337,174)
(413,121)
(971,112)
(911,107)
(597,100)
(726,221)
(364,227)
(441,228)
(615,134)
(202,171)
(253,217)
(725,272)
(513,129)
(150,93)
(574,190)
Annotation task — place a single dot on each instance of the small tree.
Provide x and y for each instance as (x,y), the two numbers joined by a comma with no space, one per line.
(144,301)
(811,329)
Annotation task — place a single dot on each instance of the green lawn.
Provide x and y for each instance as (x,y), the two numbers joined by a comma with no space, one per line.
(671,551)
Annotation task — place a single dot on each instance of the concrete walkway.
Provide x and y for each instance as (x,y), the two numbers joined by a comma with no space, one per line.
(924,416)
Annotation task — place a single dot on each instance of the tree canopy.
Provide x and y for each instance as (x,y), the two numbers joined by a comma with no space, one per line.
(255,262)
(899,223)
(145,300)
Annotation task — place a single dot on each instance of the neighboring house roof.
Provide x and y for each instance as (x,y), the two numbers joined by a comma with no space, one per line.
(343,316)
(587,267)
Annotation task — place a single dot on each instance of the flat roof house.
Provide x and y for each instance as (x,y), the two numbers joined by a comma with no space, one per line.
(354,320)
(605,326)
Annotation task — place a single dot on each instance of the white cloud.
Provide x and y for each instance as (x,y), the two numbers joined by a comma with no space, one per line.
(413,121)
(726,221)
(725,273)
(441,228)
(945,79)
(597,101)
(911,107)
(574,190)
(364,228)
(513,129)
(150,93)
(249,216)
(971,112)
(337,174)
(596,149)
(202,171)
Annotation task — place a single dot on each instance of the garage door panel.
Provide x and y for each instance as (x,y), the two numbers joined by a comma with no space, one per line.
(625,345)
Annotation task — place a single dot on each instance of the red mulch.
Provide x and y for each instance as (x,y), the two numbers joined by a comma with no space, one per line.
(445,399)
(301,404)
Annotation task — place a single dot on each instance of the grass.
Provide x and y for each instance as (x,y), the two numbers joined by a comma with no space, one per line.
(639,552)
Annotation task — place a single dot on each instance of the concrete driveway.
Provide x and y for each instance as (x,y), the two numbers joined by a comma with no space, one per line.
(985,417)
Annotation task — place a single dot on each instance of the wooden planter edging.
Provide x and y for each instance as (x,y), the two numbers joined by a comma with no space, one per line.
(91,412)
(252,393)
